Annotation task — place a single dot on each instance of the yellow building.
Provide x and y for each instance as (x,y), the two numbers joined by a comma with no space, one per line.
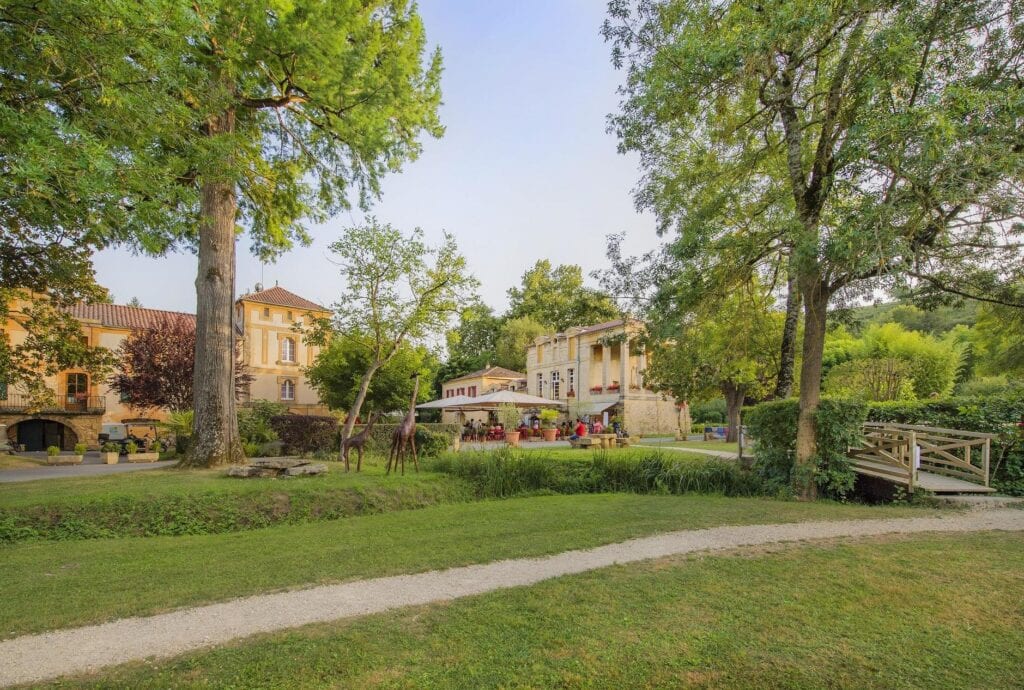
(80,404)
(274,351)
(599,373)
(486,380)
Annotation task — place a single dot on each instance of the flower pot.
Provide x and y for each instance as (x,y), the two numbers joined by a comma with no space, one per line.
(550,434)
(109,458)
(143,457)
(512,437)
(64,459)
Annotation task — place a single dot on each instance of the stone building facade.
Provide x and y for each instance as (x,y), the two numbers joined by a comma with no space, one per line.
(486,380)
(598,371)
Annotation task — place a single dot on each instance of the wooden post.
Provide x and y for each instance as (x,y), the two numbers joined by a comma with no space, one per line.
(985,451)
(913,461)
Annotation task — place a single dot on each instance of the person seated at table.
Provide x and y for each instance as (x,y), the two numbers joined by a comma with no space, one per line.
(581,430)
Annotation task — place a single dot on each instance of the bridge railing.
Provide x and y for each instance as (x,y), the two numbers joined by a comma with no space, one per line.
(900,450)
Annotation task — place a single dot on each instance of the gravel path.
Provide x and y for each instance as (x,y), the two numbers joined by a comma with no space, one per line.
(34,658)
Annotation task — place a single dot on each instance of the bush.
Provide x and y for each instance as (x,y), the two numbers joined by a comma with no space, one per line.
(52,451)
(380,435)
(157,447)
(81,448)
(505,472)
(992,414)
(773,426)
(696,428)
(131,447)
(254,421)
(709,412)
(301,434)
(111,447)
(430,444)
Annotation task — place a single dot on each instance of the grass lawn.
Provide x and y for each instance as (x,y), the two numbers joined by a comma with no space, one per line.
(18,462)
(935,611)
(703,445)
(50,585)
(184,482)
(584,453)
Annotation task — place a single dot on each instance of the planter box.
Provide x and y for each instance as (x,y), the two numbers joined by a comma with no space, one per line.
(109,458)
(550,434)
(64,459)
(143,457)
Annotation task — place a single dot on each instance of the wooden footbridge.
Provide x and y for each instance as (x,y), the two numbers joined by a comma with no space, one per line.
(943,461)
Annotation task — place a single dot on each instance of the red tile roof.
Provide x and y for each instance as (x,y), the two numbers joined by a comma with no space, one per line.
(121,316)
(603,326)
(492,372)
(279,297)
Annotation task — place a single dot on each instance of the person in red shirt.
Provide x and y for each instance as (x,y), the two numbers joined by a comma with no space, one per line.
(581,430)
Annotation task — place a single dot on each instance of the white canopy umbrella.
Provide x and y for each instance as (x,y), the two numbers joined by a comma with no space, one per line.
(445,403)
(491,401)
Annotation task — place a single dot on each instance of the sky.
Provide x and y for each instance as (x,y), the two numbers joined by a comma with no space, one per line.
(526,169)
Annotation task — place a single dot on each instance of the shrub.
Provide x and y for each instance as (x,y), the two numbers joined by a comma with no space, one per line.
(504,472)
(773,426)
(157,447)
(709,412)
(380,435)
(696,428)
(302,434)
(52,451)
(251,450)
(992,414)
(430,444)
(111,447)
(131,447)
(548,418)
(81,448)
(872,378)
(254,421)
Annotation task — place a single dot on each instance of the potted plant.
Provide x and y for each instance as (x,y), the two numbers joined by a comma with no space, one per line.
(80,450)
(110,452)
(132,449)
(509,416)
(53,455)
(547,420)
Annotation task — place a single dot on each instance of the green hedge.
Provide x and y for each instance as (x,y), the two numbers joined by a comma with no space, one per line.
(504,472)
(773,425)
(992,414)
(431,439)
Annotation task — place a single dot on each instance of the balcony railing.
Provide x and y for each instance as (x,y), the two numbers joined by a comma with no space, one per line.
(62,404)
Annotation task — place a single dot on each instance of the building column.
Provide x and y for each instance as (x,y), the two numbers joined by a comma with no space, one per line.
(606,364)
(640,367)
(624,366)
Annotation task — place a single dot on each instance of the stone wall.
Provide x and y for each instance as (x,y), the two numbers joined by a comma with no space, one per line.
(652,415)
(85,427)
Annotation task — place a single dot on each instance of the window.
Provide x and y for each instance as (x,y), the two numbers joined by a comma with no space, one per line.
(462,391)
(287,349)
(266,312)
(472,391)
(290,316)
(570,376)
(556,381)
(77,387)
(287,389)
(540,385)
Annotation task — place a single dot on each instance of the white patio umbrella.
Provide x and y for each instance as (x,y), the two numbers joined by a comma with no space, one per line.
(445,403)
(491,401)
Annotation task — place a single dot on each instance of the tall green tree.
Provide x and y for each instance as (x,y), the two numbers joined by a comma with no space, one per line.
(881,139)
(400,291)
(514,337)
(339,369)
(730,348)
(557,297)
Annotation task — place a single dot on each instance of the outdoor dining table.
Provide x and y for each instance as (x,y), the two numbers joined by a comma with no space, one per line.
(606,440)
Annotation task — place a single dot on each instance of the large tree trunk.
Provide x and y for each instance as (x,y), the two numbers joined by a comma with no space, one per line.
(787,358)
(357,406)
(734,396)
(816,298)
(215,439)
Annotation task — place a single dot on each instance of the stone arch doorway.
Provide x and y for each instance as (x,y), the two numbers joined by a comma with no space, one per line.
(40,434)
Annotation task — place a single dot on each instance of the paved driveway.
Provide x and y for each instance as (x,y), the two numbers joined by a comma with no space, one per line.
(90,467)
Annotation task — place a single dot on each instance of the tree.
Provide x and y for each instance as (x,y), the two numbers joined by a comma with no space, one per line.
(999,339)
(557,298)
(400,291)
(339,369)
(471,344)
(879,139)
(155,367)
(515,336)
(729,348)
(70,182)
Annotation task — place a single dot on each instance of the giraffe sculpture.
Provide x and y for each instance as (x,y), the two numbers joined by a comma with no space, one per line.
(358,442)
(405,434)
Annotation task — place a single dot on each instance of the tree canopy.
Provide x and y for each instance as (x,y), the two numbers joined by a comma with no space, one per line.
(557,298)
(399,291)
(872,144)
